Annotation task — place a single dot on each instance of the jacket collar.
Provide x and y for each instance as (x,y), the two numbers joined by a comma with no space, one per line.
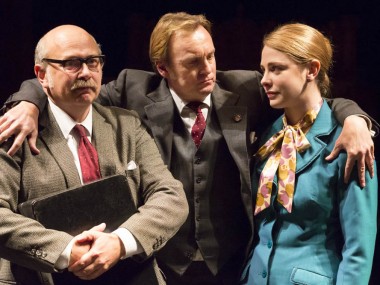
(233,122)
(103,138)
(51,135)
(160,115)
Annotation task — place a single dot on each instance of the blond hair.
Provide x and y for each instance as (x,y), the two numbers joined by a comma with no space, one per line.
(303,44)
(167,26)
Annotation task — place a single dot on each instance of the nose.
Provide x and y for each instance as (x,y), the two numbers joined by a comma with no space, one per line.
(206,66)
(265,81)
(84,72)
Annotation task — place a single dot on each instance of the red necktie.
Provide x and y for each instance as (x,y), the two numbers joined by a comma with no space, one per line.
(88,157)
(199,126)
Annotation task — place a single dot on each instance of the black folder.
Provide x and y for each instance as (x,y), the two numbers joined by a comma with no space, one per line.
(77,209)
(74,210)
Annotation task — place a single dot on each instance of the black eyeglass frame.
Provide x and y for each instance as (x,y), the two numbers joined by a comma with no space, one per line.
(63,62)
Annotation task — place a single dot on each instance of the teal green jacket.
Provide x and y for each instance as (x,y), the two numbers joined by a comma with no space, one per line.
(329,238)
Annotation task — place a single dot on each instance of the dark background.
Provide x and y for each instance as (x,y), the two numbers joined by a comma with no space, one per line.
(123,28)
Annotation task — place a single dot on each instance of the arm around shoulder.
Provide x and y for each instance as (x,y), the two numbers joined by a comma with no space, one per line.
(129,85)
(31,91)
(343,108)
(355,138)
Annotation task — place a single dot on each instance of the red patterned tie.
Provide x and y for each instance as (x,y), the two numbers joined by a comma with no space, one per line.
(88,157)
(199,126)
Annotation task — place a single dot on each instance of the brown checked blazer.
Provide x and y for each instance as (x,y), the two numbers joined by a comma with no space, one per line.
(119,138)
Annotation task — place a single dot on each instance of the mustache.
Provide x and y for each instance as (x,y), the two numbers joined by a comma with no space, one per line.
(84,84)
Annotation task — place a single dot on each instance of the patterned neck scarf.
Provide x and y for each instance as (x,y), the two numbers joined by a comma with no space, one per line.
(281,149)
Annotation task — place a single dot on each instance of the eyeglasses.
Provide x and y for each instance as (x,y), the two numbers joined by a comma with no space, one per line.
(73,65)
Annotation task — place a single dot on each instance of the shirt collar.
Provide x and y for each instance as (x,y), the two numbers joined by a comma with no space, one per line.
(181,104)
(66,123)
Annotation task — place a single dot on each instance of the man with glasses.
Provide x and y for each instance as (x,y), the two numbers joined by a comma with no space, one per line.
(68,65)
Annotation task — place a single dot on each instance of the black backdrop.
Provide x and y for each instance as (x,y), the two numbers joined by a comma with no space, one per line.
(123,28)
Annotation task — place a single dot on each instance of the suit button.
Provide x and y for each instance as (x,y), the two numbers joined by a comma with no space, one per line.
(198,180)
(264,274)
(269,244)
(197,160)
(196,200)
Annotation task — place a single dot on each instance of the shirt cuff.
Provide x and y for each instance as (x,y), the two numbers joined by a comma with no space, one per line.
(64,258)
(131,245)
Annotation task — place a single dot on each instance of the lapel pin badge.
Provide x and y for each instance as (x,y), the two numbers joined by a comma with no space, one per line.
(237,118)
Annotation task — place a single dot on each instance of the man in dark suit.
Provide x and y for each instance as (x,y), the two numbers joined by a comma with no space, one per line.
(68,64)
(210,248)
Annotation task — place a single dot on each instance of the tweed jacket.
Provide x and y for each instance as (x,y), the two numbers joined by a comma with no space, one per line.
(119,138)
(329,237)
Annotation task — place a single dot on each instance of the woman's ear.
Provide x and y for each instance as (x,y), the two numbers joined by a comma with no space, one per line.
(314,67)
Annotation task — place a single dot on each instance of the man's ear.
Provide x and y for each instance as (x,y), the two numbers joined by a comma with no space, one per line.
(40,73)
(161,68)
(314,67)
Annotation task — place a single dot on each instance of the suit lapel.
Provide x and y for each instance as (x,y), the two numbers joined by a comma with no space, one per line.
(324,124)
(160,115)
(104,142)
(55,142)
(233,122)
